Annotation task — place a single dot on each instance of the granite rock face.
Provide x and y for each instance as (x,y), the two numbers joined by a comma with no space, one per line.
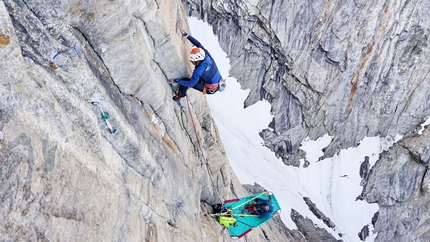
(347,69)
(399,183)
(63,176)
(309,231)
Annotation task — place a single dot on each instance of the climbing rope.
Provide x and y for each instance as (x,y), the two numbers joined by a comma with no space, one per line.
(203,155)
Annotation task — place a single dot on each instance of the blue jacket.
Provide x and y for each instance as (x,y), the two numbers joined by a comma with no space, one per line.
(260,210)
(206,72)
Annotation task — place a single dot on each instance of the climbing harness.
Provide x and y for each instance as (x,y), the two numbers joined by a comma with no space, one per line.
(105,117)
(201,151)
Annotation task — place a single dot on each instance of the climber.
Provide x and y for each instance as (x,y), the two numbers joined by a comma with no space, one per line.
(236,209)
(205,78)
(262,208)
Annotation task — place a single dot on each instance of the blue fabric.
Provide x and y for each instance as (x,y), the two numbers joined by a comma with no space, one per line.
(206,72)
(260,211)
(245,220)
(183,89)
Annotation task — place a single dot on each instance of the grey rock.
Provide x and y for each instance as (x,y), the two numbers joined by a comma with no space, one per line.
(308,229)
(364,233)
(394,184)
(364,168)
(255,188)
(324,71)
(364,174)
(418,146)
(326,67)
(399,184)
(348,70)
(320,215)
(63,176)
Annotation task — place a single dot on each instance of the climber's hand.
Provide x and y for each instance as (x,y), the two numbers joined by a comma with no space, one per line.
(182,31)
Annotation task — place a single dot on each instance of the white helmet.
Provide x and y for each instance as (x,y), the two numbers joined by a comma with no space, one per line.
(197,54)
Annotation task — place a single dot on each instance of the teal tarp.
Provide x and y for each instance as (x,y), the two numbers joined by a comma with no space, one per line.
(245,221)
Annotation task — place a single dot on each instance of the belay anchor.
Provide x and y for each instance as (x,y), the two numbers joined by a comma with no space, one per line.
(105,117)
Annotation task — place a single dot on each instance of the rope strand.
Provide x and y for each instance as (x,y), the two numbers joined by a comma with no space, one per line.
(201,151)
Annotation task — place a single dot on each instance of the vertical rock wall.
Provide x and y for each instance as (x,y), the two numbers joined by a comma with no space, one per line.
(63,176)
(399,183)
(347,69)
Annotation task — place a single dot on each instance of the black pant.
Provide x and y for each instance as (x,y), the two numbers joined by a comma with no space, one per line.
(183,89)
